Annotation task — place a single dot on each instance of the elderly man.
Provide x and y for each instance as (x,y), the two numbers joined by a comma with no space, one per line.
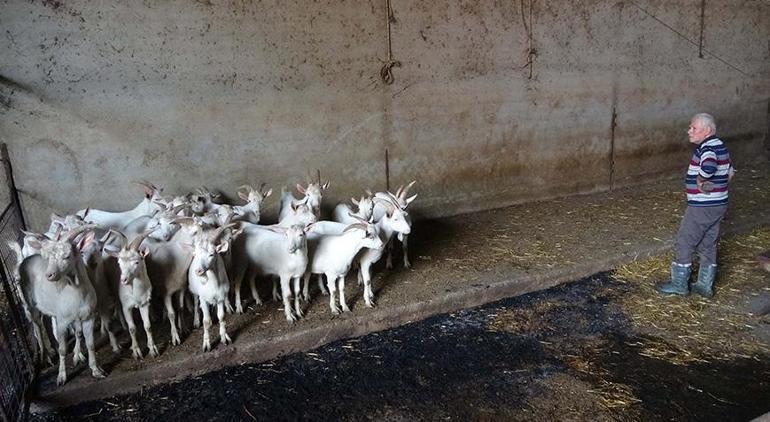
(706,183)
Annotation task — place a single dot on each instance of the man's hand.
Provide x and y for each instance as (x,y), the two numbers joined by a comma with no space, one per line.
(703,184)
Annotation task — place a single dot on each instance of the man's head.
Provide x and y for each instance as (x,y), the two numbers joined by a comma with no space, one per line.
(702,126)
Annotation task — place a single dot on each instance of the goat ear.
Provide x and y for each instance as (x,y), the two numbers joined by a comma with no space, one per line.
(410,199)
(266,194)
(243,196)
(148,192)
(111,250)
(34,242)
(300,189)
(354,201)
(144,251)
(325,186)
(223,247)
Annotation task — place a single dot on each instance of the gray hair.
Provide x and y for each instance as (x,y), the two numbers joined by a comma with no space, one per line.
(707,120)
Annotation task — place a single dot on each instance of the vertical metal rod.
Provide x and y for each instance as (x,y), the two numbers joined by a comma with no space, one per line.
(14,194)
(702,15)
(318,173)
(613,124)
(387,171)
(529,30)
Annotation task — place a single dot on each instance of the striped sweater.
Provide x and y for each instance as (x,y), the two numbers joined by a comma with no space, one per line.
(710,161)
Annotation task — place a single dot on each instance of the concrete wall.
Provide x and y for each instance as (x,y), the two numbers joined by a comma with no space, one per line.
(95,94)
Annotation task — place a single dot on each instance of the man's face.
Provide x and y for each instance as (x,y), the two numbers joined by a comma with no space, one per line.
(698,131)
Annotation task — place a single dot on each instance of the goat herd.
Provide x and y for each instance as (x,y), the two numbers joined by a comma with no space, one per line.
(92,263)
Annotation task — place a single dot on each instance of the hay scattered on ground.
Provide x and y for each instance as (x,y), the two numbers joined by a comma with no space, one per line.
(698,329)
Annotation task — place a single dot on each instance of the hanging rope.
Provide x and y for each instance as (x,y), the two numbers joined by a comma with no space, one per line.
(531,53)
(386,73)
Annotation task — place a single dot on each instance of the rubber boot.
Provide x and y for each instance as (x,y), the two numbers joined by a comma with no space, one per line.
(705,284)
(678,285)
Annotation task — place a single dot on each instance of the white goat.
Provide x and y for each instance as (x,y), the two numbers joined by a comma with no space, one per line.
(270,250)
(56,283)
(343,213)
(167,264)
(313,194)
(254,198)
(332,255)
(208,280)
(118,220)
(401,200)
(394,220)
(135,289)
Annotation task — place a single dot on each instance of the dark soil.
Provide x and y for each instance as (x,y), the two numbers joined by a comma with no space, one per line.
(566,353)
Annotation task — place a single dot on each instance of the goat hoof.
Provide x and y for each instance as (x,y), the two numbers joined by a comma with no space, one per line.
(154,351)
(206,347)
(370,304)
(61,379)
(175,340)
(98,372)
(117,349)
(225,339)
(239,310)
(137,354)
(336,311)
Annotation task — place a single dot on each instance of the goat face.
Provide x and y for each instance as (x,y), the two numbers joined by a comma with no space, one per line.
(303,214)
(204,257)
(130,262)
(60,256)
(297,238)
(164,227)
(372,239)
(313,195)
(400,221)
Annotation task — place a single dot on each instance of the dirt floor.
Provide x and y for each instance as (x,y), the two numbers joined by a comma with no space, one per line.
(603,348)
(479,250)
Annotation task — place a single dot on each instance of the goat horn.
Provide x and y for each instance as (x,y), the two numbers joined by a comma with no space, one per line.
(138,239)
(400,188)
(389,205)
(176,209)
(221,230)
(76,231)
(183,220)
(406,190)
(368,192)
(361,226)
(35,235)
(355,217)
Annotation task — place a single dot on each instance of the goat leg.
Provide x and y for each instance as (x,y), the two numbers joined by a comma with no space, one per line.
(88,333)
(145,312)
